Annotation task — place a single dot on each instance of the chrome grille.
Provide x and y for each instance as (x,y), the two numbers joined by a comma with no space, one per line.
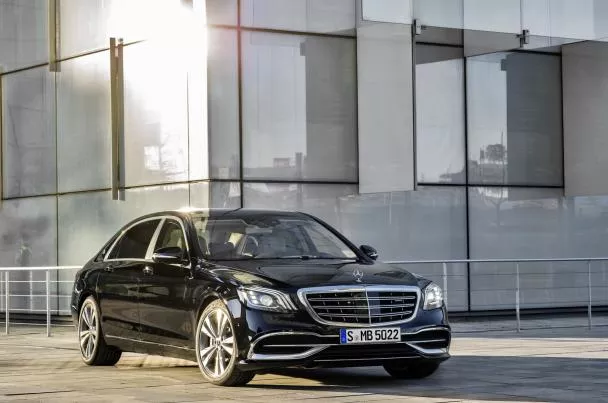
(365,306)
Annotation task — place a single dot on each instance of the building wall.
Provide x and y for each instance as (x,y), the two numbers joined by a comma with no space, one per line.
(277,127)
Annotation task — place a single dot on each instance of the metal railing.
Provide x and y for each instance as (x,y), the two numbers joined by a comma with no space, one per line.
(517,263)
(5,287)
(444,276)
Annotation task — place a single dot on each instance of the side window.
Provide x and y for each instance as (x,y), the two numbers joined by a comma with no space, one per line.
(134,243)
(171,236)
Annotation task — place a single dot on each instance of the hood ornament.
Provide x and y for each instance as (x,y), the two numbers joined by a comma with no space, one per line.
(358,275)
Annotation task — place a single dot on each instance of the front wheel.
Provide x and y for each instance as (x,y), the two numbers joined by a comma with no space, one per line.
(413,371)
(93,347)
(216,347)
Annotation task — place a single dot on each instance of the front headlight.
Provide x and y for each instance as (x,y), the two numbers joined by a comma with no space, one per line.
(433,297)
(266,299)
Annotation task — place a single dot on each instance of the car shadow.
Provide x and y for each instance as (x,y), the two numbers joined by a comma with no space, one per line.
(488,378)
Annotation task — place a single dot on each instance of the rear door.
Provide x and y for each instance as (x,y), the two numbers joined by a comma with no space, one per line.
(165,301)
(117,287)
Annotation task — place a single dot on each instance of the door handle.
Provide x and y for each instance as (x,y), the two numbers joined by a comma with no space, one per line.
(109,269)
(148,271)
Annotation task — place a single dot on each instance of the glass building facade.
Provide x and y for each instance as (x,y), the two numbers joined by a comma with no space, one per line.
(276,104)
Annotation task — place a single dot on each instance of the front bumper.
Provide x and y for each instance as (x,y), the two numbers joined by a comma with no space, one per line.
(282,340)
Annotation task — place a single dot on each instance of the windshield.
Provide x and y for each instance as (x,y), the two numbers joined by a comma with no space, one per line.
(268,237)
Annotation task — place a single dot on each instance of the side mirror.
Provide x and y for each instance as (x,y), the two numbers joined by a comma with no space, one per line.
(168,255)
(369,251)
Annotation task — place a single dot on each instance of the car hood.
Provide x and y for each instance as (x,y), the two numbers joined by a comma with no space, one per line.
(311,273)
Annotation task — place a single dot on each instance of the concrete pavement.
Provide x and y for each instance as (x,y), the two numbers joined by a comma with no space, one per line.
(536,366)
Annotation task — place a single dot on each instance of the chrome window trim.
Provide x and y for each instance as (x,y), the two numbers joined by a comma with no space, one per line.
(152,243)
(302,293)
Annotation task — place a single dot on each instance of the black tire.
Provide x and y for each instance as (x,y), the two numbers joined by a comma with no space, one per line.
(413,371)
(232,375)
(100,354)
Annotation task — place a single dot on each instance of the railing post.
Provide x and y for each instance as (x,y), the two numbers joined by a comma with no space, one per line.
(589,291)
(6,301)
(48,303)
(517,296)
(445,283)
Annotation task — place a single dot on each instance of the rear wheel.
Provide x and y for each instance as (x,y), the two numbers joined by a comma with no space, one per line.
(412,371)
(217,349)
(93,347)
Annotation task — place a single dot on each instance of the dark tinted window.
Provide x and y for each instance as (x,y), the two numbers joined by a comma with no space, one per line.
(171,236)
(134,243)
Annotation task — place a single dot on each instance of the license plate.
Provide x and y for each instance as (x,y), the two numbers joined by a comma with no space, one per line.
(375,335)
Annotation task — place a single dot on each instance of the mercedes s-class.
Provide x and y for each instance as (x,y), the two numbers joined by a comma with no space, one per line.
(243,291)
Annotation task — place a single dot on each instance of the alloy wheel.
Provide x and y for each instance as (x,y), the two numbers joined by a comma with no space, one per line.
(216,346)
(88,330)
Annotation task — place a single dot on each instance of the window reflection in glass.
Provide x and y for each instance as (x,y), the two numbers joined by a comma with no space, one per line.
(299,107)
(83,123)
(29,166)
(335,16)
(23,33)
(440,114)
(514,119)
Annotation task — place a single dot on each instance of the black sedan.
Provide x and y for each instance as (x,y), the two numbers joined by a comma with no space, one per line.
(242,291)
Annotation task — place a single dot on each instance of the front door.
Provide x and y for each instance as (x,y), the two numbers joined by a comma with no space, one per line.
(164,293)
(117,287)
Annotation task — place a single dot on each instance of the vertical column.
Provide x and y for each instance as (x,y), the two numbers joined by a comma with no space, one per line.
(517,302)
(385,108)
(53,16)
(48,303)
(6,301)
(117,110)
(1,139)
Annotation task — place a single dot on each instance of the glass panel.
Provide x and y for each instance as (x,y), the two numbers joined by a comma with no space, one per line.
(223,104)
(536,223)
(335,16)
(171,236)
(156,117)
(222,12)
(494,16)
(515,125)
(439,13)
(23,33)
(426,224)
(215,195)
(28,237)
(29,165)
(88,220)
(84,25)
(28,232)
(576,19)
(322,201)
(299,107)
(440,114)
(135,242)
(83,123)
